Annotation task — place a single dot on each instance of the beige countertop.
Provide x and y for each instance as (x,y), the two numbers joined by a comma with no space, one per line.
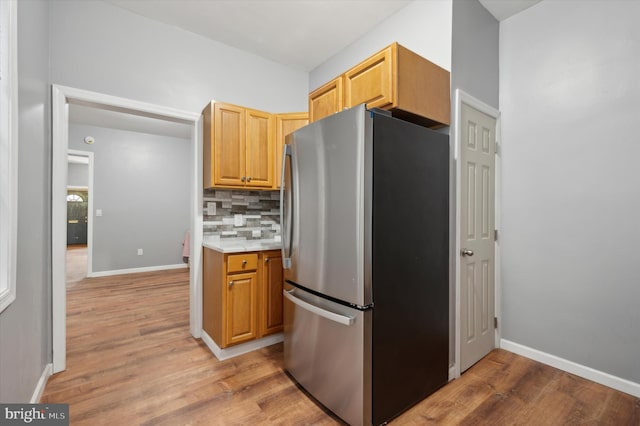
(241,246)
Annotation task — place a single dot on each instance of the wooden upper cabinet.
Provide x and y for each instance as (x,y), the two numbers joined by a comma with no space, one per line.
(371,81)
(260,149)
(238,147)
(395,79)
(229,150)
(285,124)
(326,100)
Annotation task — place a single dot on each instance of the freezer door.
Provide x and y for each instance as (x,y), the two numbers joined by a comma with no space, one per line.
(326,209)
(327,351)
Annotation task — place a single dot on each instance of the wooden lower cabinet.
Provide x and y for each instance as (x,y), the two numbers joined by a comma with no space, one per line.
(241,307)
(272,280)
(242,295)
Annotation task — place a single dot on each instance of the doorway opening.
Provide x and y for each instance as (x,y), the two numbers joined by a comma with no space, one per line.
(62,97)
(79,224)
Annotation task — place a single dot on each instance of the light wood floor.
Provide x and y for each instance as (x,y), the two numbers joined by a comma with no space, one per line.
(76,263)
(132,361)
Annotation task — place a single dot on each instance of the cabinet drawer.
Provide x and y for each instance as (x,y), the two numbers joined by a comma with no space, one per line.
(242,262)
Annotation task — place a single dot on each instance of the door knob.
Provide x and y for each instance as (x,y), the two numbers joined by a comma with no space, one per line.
(466,252)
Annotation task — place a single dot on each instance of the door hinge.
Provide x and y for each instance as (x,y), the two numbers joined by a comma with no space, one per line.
(495,235)
(495,322)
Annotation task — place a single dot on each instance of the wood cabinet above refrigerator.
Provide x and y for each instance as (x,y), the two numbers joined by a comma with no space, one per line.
(395,79)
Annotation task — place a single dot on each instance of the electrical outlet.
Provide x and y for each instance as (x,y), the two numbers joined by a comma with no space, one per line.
(237,220)
(211,208)
(98,212)
(139,252)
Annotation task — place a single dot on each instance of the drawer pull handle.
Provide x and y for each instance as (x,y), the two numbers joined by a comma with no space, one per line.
(230,284)
(244,262)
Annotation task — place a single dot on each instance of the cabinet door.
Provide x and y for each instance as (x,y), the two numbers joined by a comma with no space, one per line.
(371,81)
(229,144)
(212,293)
(272,281)
(325,100)
(285,124)
(241,307)
(260,149)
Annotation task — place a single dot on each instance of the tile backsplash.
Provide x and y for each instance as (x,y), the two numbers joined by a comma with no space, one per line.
(249,215)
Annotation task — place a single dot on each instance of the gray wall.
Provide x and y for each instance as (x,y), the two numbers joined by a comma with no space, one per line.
(474,69)
(78,174)
(141,184)
(421,26)
(569,96)
(25,340)
(474,51)
(100,47)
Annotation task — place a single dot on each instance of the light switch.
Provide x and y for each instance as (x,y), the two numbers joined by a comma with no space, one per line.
(98,212)
(237,220)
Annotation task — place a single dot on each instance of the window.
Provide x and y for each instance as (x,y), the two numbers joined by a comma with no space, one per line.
(74,198)
(8,151)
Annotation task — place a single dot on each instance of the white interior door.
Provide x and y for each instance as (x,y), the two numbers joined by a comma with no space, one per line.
(477,235)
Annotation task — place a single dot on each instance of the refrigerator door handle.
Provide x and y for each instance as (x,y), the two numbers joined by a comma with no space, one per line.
(339,318)
(286,207)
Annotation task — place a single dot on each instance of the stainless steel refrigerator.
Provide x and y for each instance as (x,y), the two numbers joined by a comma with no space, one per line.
(365,231)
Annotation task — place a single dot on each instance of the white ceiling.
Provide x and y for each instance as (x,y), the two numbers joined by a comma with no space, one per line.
(298,33)
(503,9)
(80,114)
(301,33)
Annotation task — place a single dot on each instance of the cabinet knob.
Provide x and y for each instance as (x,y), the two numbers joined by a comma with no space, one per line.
(266,260)
(230,284)
(243,178)
(244,262)
(249,179)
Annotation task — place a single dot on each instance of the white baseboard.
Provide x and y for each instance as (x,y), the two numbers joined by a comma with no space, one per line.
(136,270)
(589,373)
(42,383)
(236,350)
